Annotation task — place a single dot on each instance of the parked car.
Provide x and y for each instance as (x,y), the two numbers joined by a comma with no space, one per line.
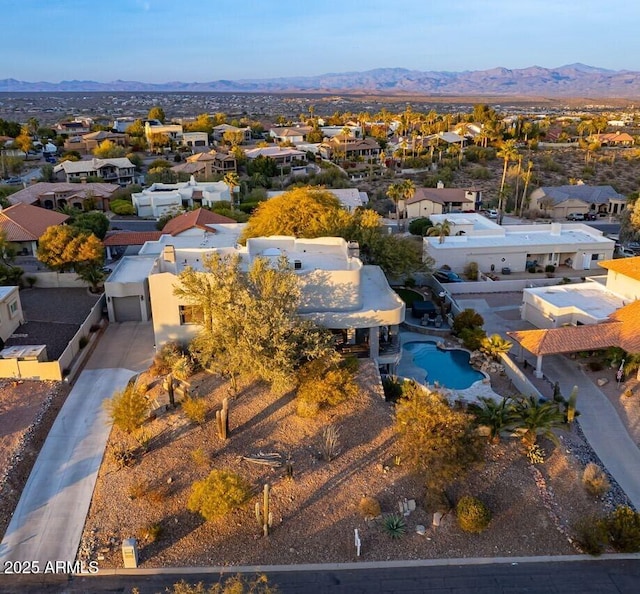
(13,181)
(575,216)
(624,252)
(492,214)
(590,216)
(447,276)
(634,246)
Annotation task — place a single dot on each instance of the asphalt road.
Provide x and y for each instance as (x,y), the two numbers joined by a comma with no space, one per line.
(604,576)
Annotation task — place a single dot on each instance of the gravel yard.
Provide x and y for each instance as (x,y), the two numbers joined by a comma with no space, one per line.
(316,511)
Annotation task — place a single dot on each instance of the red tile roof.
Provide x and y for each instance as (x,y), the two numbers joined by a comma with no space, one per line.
(23,222)
(115,238)
(627,266)
(195,218)
(440,195)
(622,330)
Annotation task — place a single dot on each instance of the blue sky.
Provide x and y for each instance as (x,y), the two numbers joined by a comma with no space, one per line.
(204,40)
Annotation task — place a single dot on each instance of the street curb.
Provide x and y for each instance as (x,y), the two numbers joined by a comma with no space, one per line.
(365,565)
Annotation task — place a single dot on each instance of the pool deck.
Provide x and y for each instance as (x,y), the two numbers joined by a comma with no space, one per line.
(407,368)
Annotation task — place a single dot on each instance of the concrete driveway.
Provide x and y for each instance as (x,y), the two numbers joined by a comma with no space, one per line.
(48,522)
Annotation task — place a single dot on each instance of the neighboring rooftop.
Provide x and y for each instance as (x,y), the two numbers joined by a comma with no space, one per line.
(34,192)
(584,192)
(132,269)
(200,219)
(627,266)
(23,222)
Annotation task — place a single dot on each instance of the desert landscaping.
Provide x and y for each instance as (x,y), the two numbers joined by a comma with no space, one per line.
(316,504)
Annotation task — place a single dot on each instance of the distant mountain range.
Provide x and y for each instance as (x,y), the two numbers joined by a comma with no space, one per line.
(573,80)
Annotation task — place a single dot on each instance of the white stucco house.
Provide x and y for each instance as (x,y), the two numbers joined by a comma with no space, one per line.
(158,199)
(10,312)
(338,292)
(474,238)
(350,198)
(586,316)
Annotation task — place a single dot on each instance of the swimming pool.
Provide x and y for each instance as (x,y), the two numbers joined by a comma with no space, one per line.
(450,369)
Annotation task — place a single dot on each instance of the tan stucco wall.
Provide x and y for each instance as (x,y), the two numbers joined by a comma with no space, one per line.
(9,323)
(425,208)
(623,285)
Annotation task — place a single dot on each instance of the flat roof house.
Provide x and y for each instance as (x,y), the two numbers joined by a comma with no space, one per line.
(159,198)
(475,238)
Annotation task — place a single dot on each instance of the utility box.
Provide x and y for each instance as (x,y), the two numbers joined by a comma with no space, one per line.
(130,553)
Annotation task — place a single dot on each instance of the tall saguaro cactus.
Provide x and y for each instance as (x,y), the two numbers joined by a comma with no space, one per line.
(265,518)
(222,419)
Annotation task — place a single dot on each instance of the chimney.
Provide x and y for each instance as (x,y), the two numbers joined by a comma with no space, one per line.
(556,229)
(169,254)
(440,185)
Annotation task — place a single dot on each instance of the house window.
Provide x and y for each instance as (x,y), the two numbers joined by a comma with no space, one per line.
(13,308)
(190,314)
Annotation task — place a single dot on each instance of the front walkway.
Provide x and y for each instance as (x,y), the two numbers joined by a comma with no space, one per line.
(48,521)
(598,419)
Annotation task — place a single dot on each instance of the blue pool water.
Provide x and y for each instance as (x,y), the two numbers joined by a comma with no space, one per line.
(450,369)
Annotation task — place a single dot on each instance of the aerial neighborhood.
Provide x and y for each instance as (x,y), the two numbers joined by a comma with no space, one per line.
(339,331)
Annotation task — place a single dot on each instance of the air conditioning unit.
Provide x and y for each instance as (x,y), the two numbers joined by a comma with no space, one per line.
(297,265)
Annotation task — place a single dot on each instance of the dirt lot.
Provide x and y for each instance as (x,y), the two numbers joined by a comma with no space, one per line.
(27,411)
(316,511)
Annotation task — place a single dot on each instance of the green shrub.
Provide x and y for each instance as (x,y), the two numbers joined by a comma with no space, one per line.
(469,318)
(471,271)
(549,268)
(122,208)
(623,525)
(127,409)
(472,338)
(392,388)
(591,534)
(394,525)
(325,382)
(200,457)
(595,480)
(217,495)
(83,342)
(420,226)
(166,358)
(227,585)
(595,365)
(473,515)
(152,532)
(195,409)
(369,507)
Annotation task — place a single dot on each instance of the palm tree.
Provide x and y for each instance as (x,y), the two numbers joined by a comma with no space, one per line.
(233,181)
(394,191)
(407,191)
(533,418)
(496,417)
(526,176)
(495,345)
(346,133)
(508,152)
(442,230)
(92,274)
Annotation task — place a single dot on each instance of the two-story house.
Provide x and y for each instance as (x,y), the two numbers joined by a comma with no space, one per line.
(119,171)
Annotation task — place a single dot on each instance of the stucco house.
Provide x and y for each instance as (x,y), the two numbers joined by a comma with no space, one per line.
(585,316)
(350,198)
(119,170)
(158,199)
(429,201)
(351,147)
(220,130)
(295,136)
(474,238)
(206,165)
(52,195)
(10,312)
(24,224)
(613,139)
(281,155)
(86,143)
(338,292)
(561,201)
